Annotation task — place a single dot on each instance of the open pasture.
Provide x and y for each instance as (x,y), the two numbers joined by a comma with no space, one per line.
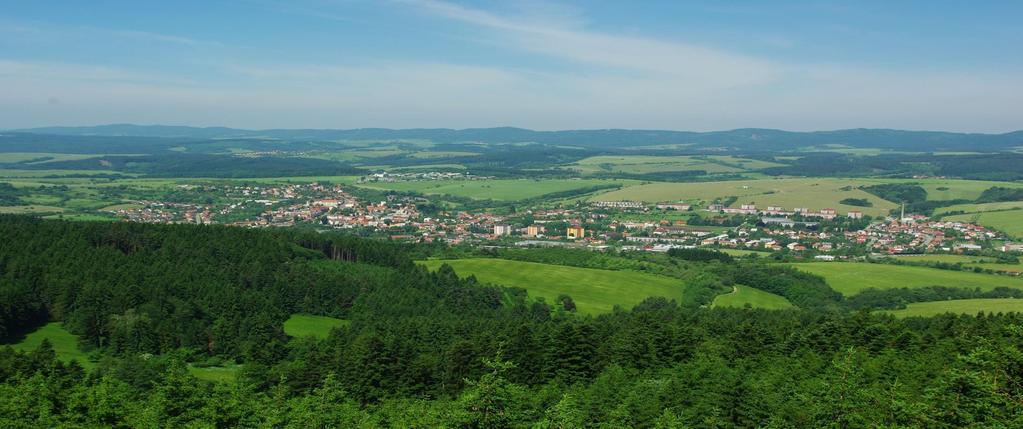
(497,189)
(812,193)
(65,344)
(305,325)
(756,298)
(851,278)
(593,291)
(959,306)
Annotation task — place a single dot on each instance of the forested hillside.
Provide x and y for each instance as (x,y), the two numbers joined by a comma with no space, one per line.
(433,350)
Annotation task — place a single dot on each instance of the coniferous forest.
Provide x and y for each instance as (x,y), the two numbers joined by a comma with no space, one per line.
(435,350)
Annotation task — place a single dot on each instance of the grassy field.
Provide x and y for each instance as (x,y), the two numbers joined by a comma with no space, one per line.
(441,154)
(815,193)
(949,259)
(1008,221)
(216,374)
(757,298)
(498,189)
(966,260)
(64,343)
(960,306)
(33,209)
(850,278)
(638,164)
(977,208)
(594,291)
(9,157)
(304,325)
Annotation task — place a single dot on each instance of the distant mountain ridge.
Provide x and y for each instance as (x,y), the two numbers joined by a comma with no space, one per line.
(742,139)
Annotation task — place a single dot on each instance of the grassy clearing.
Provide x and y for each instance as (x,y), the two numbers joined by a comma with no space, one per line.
(812,193)
(216,374)
(64,343)
(593,291)
(850,278)
(756,298)
(959,306)
(304,325)
(83,217)
(498,189)
(1008,221)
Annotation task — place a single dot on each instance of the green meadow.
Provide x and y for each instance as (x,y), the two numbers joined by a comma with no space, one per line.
(977,208)
(638,164)
(743,295)
(216,374)
(305,325)
(65,344)
(812,193)
(959,306)
(850,278)
(948,259)
(594,291)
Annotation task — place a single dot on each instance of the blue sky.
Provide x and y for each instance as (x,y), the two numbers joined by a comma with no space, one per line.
(799,65)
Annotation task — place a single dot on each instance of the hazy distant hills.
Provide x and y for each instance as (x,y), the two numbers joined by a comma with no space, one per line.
(740,139)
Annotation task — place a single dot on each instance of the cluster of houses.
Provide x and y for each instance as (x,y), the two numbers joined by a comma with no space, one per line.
(776,230)
(751,209)
(386,177)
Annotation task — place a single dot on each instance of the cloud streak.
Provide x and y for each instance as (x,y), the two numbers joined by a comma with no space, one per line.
(603,80)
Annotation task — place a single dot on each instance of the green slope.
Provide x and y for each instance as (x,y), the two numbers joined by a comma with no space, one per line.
(594,291)
(757,298)
(851,278)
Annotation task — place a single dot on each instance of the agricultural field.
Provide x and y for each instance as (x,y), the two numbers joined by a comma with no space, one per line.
(441,154)
(959,306)
(756,298)
(305,325)
(12,157)
(637,164)
(33,209)
(814,193)
(1007,221)
(497,189)
(948,259)
(65,344)
(594,291)
(966,260)
(850,278)
(978,208)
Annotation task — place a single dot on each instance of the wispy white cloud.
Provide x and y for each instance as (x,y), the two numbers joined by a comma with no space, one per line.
(708,68)
(157,37)
(613,80)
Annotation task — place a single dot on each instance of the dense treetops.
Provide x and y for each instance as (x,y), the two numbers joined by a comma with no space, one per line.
(435,350)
